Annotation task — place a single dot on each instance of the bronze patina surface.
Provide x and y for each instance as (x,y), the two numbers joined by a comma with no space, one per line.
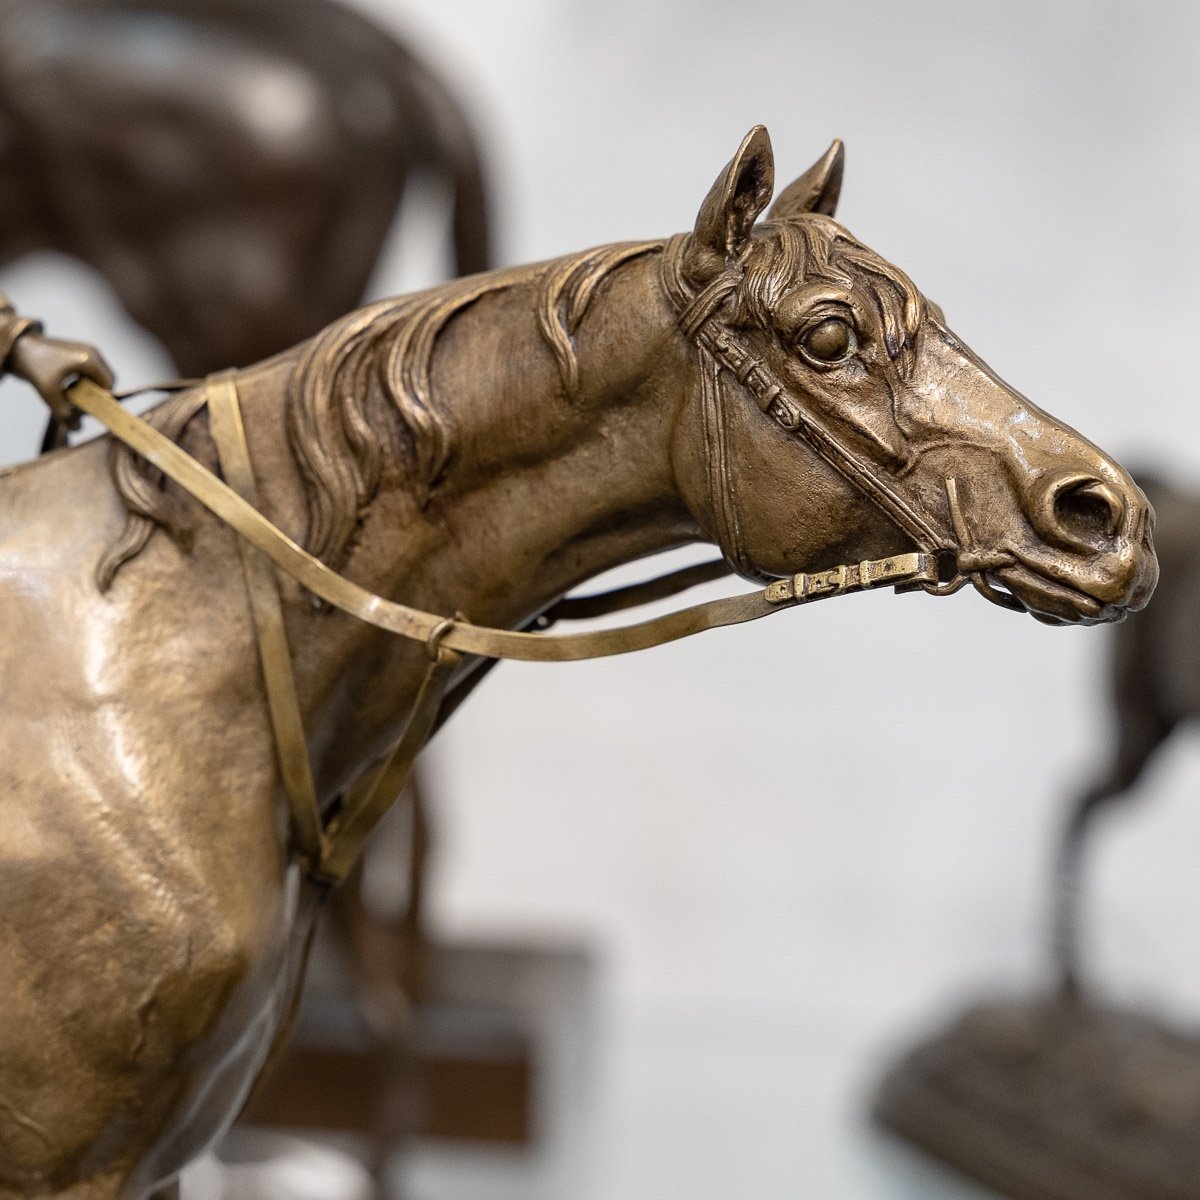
(482,448)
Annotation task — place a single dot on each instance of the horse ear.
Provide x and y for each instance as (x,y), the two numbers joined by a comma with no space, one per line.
(818,189)
(730,209)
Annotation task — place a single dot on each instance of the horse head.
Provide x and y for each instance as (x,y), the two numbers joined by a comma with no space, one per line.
(836,417)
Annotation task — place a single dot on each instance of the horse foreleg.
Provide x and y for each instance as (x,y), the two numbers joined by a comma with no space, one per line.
(1142,728)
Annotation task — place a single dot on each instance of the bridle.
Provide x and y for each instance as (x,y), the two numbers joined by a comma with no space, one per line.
(723,356)
(328,844)
(721,351)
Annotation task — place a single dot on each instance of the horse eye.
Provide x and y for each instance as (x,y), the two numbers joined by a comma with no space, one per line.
(829,341)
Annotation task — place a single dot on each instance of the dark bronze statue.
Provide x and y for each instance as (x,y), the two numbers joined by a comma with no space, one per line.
(231,167)
(1065,1096)
(478,450)
(1154,682)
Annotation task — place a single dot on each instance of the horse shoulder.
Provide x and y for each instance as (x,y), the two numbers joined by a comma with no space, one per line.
(141,868)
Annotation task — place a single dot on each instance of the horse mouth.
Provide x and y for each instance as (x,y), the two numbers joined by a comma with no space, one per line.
(1053,602)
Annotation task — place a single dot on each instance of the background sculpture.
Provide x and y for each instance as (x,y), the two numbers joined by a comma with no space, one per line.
(1066,1095)
(1154,687)
(232,167)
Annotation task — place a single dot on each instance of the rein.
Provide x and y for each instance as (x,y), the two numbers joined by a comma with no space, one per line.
(329,844)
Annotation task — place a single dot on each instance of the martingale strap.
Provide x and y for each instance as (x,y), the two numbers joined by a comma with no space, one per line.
(266,607)
(330,851)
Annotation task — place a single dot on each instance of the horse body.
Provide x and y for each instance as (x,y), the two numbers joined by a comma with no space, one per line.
(482,449)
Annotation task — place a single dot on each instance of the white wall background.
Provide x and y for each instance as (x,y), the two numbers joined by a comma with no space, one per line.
(794,842)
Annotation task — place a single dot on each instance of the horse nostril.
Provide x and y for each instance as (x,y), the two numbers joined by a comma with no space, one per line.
(1087,509)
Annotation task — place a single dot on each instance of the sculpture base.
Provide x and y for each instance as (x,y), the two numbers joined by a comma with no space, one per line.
(480,1048)
(1048,1100)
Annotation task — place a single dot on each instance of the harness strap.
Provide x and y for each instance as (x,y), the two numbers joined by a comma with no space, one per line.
(366,804)
(262,588)
(412,623)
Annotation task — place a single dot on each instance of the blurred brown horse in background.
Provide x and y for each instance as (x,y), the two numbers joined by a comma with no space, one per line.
(1153,688)
(231,167)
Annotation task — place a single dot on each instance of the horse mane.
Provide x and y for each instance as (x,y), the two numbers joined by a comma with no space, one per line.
(376,359)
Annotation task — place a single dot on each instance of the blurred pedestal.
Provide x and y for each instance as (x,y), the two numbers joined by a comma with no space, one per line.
(479,1043)
(1043,1100)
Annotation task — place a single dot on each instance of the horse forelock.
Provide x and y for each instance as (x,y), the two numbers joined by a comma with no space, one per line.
(813,248)
(377,360)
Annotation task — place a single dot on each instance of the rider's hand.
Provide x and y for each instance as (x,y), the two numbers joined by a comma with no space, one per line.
(51,364)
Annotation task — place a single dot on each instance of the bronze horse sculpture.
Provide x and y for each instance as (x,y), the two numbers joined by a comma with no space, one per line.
(481,449)
(230,167)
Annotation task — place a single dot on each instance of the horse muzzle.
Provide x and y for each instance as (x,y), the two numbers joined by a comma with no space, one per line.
(1089,587)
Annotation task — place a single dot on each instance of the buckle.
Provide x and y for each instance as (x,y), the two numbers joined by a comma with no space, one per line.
(900,571)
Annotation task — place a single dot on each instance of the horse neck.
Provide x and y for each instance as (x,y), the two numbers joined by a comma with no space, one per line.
(541,491)
(547,489)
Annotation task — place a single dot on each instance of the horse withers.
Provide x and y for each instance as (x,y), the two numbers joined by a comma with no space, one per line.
(775,388)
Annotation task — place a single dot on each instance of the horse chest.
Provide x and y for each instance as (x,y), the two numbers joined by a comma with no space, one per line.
(145,942)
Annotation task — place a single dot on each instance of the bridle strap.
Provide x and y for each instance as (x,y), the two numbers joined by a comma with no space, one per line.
(721,493)
(698,320)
